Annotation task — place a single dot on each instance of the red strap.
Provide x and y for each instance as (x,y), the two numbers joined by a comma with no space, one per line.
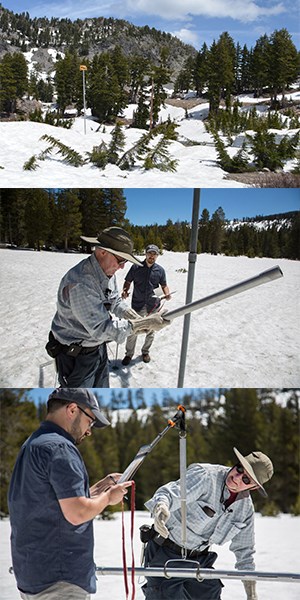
(132,507)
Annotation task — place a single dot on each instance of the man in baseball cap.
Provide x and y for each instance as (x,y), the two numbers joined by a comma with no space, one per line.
(144,300)
(51,504)
(81,397)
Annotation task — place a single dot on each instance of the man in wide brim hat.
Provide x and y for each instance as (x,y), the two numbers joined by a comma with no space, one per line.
(114,240)
(219,509)
(87,301)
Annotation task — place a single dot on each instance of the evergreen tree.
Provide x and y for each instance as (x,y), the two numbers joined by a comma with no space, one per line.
(37,217)
(142,113)
(217,230)
(138,72)
(13,80)
(204,231)
(105,93)
(260,64)
(117,143)
(200,75)
(68,217)
(67,81)
(221,62)
(284,63)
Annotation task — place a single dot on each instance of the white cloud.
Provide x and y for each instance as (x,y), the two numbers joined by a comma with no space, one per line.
(241,10)
(186,35)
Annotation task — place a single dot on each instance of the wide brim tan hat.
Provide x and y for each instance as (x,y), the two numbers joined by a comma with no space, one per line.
(115,240)
(258,466)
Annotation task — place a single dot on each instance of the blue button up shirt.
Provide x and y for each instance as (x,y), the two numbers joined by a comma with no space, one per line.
(85,298)
(146,280)
(208,522)
(46,548)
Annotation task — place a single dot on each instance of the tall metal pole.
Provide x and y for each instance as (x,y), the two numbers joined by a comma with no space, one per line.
(190,285)
(83,68)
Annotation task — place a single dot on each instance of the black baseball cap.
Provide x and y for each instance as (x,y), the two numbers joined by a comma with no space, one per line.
(82,397)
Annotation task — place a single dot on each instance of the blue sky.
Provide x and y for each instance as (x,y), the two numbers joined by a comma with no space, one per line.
(41,394)
(193,21)
(150,205)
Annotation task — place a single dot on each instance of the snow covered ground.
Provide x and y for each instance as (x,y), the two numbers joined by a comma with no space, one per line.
(194,150)
(277,550)
(250,340)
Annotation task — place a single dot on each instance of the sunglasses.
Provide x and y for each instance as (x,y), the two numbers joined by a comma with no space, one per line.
(245,479)
(89,416)
(120,261)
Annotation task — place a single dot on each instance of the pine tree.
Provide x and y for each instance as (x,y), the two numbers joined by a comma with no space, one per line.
(284,63)
(67,81)
(260,65)
(14,82)
(37,217)
(117,143)
(200,75)
(217,230)
(68,217)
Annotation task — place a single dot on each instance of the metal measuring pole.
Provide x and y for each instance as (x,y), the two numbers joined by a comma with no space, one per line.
(83,68)
(190,285)
(182,467)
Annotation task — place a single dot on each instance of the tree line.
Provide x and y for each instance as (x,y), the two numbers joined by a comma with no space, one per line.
(217,420)
(55,219)
(227,69)
(113,79)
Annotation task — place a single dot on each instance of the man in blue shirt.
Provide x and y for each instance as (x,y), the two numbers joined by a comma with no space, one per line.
(51,505)
(144,300)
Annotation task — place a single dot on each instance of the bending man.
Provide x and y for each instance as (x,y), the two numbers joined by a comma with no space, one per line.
(219,509)
(87,301)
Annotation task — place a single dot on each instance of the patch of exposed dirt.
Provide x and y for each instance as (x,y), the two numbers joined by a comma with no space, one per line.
(185,103)
(270,180)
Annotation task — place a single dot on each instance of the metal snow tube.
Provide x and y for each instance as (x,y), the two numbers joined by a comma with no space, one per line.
(190,285)
(233,290)
(182,462)
(200,574)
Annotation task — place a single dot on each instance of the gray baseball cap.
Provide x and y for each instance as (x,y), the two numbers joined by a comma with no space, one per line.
(258,466)
(115,240)
(152,248)
(82,397)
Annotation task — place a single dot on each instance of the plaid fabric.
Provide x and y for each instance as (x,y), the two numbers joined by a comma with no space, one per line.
(86,296)
(208,521)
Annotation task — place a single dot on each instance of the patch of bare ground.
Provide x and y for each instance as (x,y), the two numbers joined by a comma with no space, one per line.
(267,180)
(185,103)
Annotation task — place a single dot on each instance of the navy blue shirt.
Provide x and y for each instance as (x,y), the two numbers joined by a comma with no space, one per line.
(46,548)
(146,280)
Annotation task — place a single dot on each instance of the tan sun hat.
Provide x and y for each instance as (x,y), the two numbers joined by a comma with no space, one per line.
(115,240)
(258,466)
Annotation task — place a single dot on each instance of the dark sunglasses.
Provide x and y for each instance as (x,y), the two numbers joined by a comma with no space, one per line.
(120,261)
(245,479)
(89,416)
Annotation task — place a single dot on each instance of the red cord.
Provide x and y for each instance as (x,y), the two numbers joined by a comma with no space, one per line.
(132,507)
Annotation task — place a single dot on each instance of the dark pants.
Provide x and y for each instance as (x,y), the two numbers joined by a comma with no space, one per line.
(85,370)
(160,588)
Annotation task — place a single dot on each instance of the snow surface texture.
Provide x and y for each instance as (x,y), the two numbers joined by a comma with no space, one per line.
(277,550)
(249,340)
(194,149)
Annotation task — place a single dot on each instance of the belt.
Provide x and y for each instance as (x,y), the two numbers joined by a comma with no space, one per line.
(75,349)
(180,550)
